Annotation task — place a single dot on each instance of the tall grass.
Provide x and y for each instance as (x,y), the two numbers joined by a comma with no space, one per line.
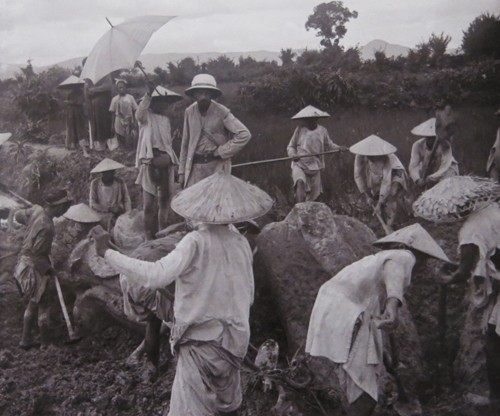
(271,134)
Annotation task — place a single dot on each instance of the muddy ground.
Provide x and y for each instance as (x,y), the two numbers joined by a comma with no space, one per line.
(91,378)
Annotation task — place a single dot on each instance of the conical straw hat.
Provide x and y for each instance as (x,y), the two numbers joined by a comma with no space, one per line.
(416,237)
(70,82)
(373,146)
(222,199)
(425,129)
(82,213)
(105,165)
(455,198)
(310,112)
(4,137)
(165,93)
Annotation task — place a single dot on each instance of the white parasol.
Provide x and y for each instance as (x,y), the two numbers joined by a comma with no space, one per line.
(120,46)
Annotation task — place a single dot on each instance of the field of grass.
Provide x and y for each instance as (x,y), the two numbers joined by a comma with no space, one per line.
(271,134)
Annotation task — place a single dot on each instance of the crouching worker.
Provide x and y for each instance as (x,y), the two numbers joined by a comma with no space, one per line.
(356,305)
(212,271)
(155,157)
(381,178)
(34,270)
(108,194)
(309,138)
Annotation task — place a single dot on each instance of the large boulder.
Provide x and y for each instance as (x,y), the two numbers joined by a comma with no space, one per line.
(301,253)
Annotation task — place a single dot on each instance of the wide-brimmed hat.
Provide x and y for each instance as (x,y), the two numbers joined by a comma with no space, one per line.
(416,237)
(455,198)
(71,82)
(58,197)
(4,137)
(162,93)
(373,146)
(425,129)
(82,213)
(310,112)
(105,165)
(222,199)
(203,82)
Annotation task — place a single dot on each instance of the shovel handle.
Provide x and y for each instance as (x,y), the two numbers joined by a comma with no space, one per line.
(71,332)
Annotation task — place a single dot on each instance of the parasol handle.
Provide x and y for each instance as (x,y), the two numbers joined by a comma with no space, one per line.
(147,78)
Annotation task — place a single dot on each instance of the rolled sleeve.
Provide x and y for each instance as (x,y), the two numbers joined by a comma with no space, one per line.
(395,280)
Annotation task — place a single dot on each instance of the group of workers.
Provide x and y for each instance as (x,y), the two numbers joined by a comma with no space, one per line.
(212,265)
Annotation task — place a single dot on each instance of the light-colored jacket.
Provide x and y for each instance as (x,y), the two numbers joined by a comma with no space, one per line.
(154,131)
(367,183)
(419,153)
(229,133)
(214,286)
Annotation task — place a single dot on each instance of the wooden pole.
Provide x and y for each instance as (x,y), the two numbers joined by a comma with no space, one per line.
(283,159)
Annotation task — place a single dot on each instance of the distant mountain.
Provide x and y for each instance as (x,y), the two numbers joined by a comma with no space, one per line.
(390,50)
(151,61)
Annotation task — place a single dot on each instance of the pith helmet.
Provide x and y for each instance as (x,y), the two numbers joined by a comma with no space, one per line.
(203,82)
(82,213)
(71,82)
(373,146)
(455,198)
(222,199)
(4,137)
(416,237)
(425,129)
(310,112)
(105,165)
(165,94)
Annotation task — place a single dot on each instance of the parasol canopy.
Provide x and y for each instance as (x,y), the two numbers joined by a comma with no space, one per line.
(455,198)
(120,46)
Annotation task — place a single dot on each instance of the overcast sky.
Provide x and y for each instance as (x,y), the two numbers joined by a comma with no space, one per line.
(50,31)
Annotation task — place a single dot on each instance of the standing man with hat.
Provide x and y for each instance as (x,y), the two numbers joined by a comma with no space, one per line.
(309,138)
(354,306)
(214,288)
(34,270)
(109,195)
(493,163)
(212,134)
(431,157)
(122,108)
(155,157)
(380,177)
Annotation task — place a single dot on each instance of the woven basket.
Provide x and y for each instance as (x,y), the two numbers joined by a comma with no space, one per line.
(455,198)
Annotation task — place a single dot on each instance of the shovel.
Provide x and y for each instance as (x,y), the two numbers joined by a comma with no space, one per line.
(73,338)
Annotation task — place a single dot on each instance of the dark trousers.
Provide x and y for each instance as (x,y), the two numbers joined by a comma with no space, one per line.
(492,350)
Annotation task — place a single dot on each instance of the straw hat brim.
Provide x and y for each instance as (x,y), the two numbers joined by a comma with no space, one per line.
(373,146)
(82,213)
(425,129)
(222,199)
(455,198)
(106,165)
(310,112)
(416,237)
(215,91)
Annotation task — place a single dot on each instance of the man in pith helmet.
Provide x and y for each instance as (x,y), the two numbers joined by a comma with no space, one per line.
(155,157)
(360,301)
(212,270)
(212,135)
(108,194)
(34,268)
(427,166)
(380,177)
(309,138)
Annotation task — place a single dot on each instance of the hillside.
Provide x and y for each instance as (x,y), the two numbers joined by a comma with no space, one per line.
(152,60)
